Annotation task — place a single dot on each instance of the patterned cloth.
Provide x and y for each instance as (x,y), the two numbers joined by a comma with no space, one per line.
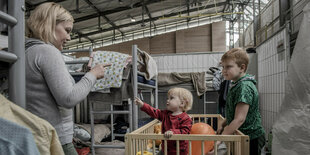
(16,139)
(113,74)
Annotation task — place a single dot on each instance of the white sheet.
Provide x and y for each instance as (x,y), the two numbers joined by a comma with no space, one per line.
(291,132)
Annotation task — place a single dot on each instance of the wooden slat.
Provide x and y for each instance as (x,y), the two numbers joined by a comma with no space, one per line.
(190,147)
(165,144)
(178,147)
(215,148)
(153,144)
(202,147)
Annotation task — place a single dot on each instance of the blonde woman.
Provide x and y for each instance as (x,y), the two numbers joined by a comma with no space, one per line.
(50,90)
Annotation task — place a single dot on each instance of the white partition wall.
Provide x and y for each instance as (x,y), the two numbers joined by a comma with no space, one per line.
(187,62)
(273,58)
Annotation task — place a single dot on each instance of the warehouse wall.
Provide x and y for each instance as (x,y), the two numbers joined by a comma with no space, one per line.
(273,60)
(297,14)
(204,38)
(269,22)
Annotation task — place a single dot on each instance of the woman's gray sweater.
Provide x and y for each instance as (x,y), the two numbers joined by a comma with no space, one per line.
(51,92)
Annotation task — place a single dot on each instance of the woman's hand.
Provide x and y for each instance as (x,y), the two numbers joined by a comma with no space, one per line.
(138,102)
(98,70)
(168,134)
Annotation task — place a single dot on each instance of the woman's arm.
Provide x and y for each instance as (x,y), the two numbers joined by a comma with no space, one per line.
(57,77)
(241,112)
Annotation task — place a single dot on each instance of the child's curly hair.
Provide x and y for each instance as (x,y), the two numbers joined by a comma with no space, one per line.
(185,96)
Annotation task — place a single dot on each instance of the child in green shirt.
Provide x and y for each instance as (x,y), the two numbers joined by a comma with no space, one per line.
(242,107)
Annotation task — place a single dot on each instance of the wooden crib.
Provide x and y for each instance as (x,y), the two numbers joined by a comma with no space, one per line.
(136,141)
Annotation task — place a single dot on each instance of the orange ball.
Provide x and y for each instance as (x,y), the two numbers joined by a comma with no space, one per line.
(202,128)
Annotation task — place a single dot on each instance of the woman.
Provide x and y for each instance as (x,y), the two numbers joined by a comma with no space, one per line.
(50,90)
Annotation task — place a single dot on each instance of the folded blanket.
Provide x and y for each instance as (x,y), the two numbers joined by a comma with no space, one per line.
(150,67)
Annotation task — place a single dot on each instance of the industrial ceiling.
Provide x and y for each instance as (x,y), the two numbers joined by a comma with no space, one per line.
(98,21)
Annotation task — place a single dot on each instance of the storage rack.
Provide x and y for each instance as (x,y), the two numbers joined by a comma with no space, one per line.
(16,50)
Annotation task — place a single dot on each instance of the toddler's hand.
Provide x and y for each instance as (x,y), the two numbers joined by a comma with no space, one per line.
(219,130)
(138,102)
(168,134)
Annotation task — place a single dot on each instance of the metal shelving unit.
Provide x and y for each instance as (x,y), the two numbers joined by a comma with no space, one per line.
(16,50)
(137,85)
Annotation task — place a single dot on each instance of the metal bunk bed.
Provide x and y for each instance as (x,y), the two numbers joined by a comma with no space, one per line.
(16,51)
(86,104)
(138,85)
(132,110)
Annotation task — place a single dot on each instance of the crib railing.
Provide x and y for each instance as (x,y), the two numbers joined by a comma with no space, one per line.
(136,141)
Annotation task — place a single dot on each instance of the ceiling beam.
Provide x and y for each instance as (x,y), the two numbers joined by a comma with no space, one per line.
(153,19)
(187,6)
(149,14)
(227,2)
(104,16)
(80,34)
(30,7)
(116,10)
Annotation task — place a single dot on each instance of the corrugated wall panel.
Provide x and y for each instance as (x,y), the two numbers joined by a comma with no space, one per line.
(194,62)
(272,71)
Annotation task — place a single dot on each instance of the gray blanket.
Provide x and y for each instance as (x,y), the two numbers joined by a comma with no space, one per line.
(197,78)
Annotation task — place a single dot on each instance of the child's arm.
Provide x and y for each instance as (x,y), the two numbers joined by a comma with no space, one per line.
(222,125)
(155,113)
(240,116)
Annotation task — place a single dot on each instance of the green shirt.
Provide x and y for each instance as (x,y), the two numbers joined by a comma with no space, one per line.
(244,90)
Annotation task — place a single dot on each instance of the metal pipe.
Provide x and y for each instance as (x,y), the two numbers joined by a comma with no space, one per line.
(7,19)
(130,114)
(17,86)
(135,86)
(112,123)
(7,57)
(77,62)
(92,128)
(111,112)
(77,50)
(254,23)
